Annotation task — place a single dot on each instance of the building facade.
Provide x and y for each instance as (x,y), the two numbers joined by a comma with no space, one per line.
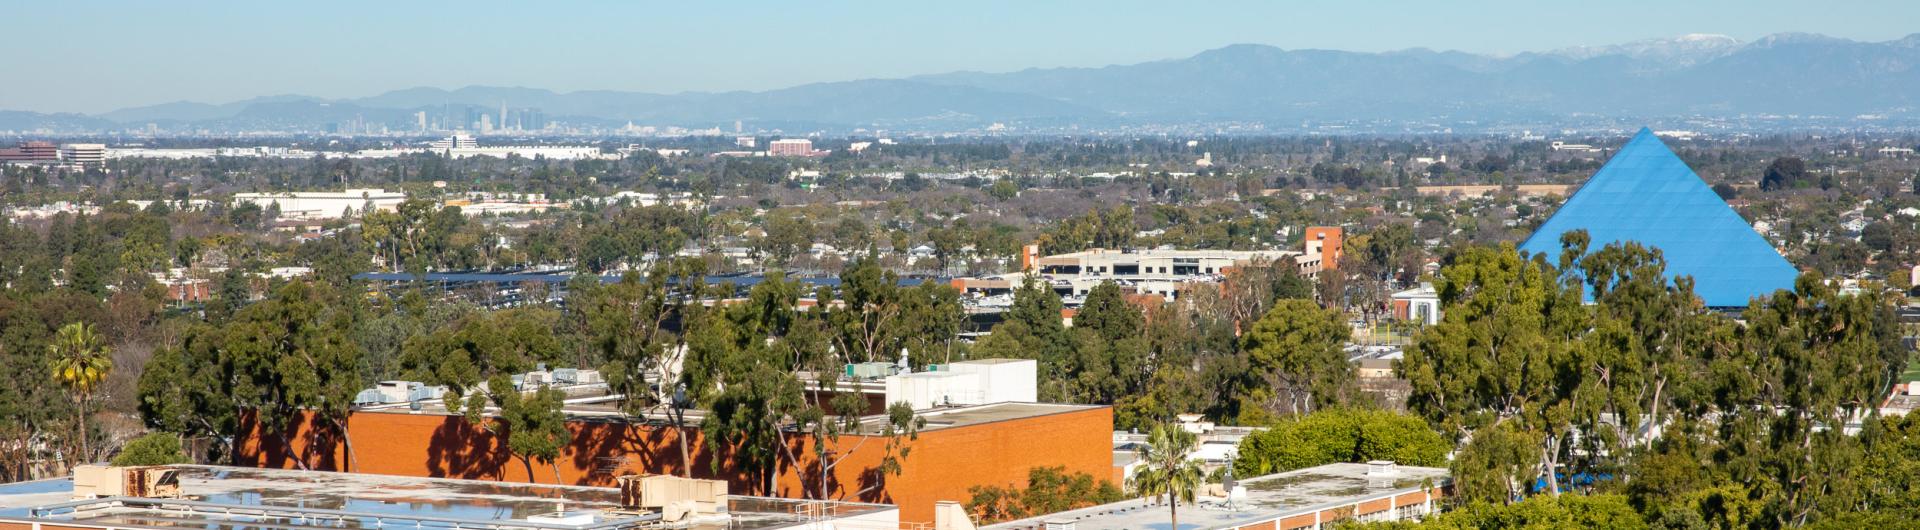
(85,155)
(1161,272)
(790,147)
(1325,241)
(961,447)
(324,205)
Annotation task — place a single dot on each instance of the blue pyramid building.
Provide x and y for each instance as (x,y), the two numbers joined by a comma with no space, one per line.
(1646,194)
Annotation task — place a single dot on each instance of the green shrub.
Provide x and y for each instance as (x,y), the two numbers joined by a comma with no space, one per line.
(152,449)
(1340,435)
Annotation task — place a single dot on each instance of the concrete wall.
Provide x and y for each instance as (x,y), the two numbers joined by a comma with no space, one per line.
(940,465)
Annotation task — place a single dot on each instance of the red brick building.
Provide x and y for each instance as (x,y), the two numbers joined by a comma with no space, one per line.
(960,448)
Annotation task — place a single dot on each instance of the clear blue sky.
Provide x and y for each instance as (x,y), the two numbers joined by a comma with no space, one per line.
(93,56)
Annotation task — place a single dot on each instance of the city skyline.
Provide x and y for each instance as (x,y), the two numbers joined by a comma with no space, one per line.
(102,56)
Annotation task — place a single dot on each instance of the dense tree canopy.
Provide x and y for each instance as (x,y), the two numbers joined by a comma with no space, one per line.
(1340,435)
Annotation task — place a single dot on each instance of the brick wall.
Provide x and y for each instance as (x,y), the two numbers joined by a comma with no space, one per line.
(940,465)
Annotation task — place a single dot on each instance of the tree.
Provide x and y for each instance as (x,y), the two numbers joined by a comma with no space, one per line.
(1584,511)
(1110,228)
(151,449)
(1033,330)
(1110,348)
(534,423)
(479,347)
(34,405)
(475,359)
(1388,248)
(869,326)
(1890,473)
(288,356)
(1811,358)
(1785,172)
(1498,463)
(1726,191)
(1048,490)
(1878,236)
(1166,470)
(628,321)
(1648,332)
(1509,325)
(901,427)
(1249,291)
(185,390)
(788,234)
(1108,313)
(1492,163)
(1297,346)
(746,419)
(1340,435)
(750,356)
(948,243)
(931,318)
(1004,190)
(80,362)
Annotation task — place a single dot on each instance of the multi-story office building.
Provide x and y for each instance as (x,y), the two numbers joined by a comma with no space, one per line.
(84,154)
(31,152)
(324,205)
(790,147)
(458,141)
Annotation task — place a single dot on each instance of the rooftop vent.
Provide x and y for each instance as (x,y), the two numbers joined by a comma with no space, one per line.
(1382,469)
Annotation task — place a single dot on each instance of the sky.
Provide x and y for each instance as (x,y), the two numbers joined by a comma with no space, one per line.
(95,56)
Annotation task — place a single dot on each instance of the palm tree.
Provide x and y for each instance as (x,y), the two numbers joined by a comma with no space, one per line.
(1165,469)
(80,362)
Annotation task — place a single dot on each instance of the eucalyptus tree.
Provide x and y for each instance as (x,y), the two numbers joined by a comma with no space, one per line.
(291,354)
(534,423)
(1498,357)
(1033,329)
(872,323)
(1298,348)
(476,357)
(630,325)
(187,389)
(748,357)
(1815,360)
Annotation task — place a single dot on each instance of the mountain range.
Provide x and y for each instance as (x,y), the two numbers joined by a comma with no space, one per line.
(1686,76)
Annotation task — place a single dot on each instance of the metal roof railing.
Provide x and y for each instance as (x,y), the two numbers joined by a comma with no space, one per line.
(377,519)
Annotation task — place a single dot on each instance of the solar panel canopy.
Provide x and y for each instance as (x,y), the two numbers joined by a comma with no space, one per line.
(1648,195)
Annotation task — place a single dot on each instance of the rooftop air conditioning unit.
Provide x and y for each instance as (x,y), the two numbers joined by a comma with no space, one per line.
(96,481)
(371,396)
(661,492)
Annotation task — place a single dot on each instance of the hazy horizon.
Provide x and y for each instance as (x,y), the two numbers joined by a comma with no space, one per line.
(94,57)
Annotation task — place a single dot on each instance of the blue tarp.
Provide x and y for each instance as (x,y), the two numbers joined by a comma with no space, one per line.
(1646,194)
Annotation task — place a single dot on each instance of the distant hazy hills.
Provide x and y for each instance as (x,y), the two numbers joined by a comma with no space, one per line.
(1781,74)
(1797,74)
